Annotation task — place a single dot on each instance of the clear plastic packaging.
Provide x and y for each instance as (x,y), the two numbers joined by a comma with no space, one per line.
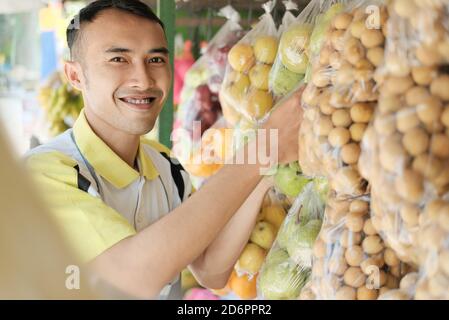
(288,265)
(271,217)
(292,60)
(350,259)
(200,108)
(199,97)
(340,99)
(406,149)
(245,87)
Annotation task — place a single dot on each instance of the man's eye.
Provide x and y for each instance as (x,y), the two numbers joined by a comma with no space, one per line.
(117,59)
(156,60)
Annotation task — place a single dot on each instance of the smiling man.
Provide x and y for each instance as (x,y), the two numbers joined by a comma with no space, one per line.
(123,205)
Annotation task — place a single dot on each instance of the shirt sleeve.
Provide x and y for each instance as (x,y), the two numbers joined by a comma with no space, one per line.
(87,224)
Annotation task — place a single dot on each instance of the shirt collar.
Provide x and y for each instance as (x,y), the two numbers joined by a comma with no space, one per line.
(105,162)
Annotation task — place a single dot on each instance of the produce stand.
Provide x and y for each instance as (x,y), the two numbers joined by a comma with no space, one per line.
(364,212)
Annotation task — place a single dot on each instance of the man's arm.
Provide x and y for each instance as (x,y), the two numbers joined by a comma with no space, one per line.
(213,268)
(143,264)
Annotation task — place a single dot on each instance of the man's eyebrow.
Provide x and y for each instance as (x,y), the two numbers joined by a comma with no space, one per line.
(162,50)
(117,50)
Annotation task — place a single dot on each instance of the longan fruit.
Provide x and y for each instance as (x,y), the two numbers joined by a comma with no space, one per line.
(407,119)
(350,153)
(372,244)
(429,110)
(346,293)
(342,21)
(354,277)
(428,166)
(339,136)
(323,126)
(410,214)
(372,38)
(375,55)
(439,146)
(348,238)
(409,186)
(354,256)
(439,87)
(357,130)
(368,228)
(354,222)
(362,112)
(423,75)
(391,258)
(416,141)
(363,293)
(341,118)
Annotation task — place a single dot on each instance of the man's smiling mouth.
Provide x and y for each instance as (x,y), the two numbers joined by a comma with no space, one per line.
(136,101)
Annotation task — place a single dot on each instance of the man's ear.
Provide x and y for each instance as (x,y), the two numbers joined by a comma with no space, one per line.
(72,70)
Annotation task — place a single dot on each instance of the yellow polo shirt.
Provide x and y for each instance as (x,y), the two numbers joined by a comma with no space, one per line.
(96,198)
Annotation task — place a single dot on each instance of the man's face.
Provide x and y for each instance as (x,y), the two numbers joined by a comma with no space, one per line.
(125,71)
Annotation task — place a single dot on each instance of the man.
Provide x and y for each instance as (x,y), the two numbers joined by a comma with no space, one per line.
(111,190)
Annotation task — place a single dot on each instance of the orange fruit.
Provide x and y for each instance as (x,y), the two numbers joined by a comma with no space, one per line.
(244,287)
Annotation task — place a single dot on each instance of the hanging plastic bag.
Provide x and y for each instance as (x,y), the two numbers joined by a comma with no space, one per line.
(270,219)
(200,107)
(288,264)
(219,47)
(281,79)
(297,34)
(199,98)
(341,96)
(406,153)
(245,87)
(350,260)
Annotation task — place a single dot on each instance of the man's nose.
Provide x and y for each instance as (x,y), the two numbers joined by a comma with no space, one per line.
(142,77)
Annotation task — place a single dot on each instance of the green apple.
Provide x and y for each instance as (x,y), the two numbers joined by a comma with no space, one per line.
(301,242)
(289,180)
(280,278)
(263,234)
(321,186)
(309,207)
(282,80)
(317,37)
(293,45)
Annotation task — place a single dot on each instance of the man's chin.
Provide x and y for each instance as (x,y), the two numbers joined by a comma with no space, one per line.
(141,129)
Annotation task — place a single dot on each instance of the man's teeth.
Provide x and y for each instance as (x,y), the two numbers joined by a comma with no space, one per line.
(138,101)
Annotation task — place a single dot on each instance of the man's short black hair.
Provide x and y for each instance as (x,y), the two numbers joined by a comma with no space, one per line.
(90,12)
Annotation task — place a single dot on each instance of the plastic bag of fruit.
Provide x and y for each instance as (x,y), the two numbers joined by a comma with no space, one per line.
(203,157)
(200,105)
(281,80)
(218,48)
(341,96)
(292,60)
(350,260)
(269,220)
(245,87)
(288,264)
(406,153)
(199,99)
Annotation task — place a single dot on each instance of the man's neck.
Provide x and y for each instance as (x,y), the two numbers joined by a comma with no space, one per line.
(124,145)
